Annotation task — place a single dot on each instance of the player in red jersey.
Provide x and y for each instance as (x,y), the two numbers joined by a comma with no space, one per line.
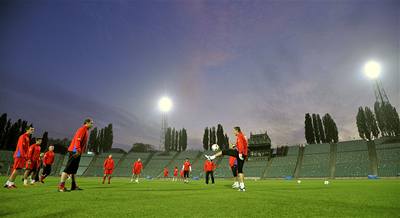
(20,156)
(209,168)
(33,161)
(75,151)
(166,172)
(136,170)
(187,168)
(182,175)
(240,153)
(175,174)
(108,168)
(48,161)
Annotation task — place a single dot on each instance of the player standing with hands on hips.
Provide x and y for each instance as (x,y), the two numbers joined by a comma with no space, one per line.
(75,151)
(240,153)
(108,168)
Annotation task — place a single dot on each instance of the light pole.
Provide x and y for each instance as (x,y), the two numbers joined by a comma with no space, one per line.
(164,105)
(372,70)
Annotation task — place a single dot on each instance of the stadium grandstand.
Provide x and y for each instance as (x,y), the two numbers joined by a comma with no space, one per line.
(349,159)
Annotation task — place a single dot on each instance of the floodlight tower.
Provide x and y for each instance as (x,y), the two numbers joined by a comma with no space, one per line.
(372,70)
(165,105)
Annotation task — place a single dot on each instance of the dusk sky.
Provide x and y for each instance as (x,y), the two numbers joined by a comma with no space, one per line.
(260,65)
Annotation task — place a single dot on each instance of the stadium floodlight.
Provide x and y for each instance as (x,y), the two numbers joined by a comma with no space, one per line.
(372,70)
(165,104)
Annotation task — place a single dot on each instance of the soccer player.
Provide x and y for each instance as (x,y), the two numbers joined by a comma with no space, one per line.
(233,166)
(75,151)
(166,172)
(136,170)
(187,168)
(181,174)
(48,160)
(33,161)
(175,174)
(209,168)
(240,153)
(108,168)
(20,156)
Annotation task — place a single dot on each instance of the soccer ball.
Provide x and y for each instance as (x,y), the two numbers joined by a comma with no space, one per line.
(214,147)
(326,182)
(298,181)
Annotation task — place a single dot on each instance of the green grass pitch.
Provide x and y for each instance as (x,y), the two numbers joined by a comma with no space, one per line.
(263,198)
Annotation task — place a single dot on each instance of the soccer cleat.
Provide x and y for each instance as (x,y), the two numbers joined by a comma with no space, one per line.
(62,189)
(242,189)
(11,187)
(137,181)
(207,157)
(235,186)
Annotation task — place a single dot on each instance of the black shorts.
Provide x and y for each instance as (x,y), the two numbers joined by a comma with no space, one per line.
(46,170)
(234,170)
(72,164)
(235,153)
(186,174)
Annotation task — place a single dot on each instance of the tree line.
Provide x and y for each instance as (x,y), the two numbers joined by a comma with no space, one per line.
(10,132)
(320,131)
(141,147)
(214,135)
(383,121)
(175,140)
(101,140)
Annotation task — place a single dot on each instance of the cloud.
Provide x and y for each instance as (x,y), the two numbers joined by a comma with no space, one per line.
(60,112)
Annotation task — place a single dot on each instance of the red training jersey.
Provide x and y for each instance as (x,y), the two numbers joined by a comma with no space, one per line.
(186,166)
(166,172)
(78,143)
(21,151)
(241,144)
(209,166)
(48,158)
(138,165)
(176,171)
(34,152)
(108,164)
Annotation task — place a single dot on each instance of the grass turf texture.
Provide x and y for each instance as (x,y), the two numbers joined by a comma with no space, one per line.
(264,198)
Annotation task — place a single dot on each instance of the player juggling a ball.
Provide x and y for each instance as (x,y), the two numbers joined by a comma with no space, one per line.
(240,153)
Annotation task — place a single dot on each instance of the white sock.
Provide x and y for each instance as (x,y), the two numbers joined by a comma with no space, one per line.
(236,183)
(10,183)
(25,181)
(212,157)
(241,184)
